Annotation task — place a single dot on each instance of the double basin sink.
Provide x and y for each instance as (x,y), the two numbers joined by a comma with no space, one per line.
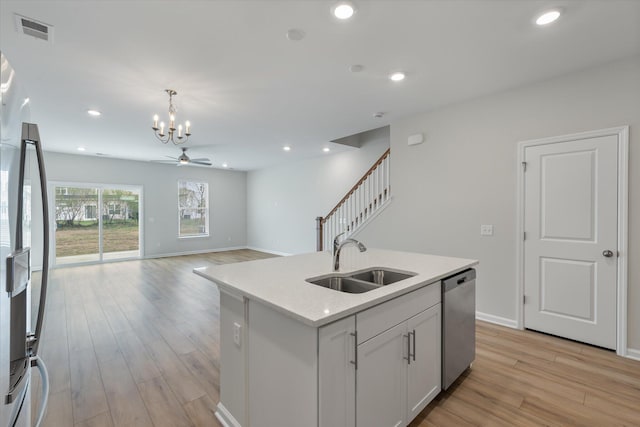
(360,281)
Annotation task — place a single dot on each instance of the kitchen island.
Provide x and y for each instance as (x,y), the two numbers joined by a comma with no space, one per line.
(297,354)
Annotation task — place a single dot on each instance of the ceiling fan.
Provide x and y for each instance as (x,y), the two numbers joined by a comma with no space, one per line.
(183,159)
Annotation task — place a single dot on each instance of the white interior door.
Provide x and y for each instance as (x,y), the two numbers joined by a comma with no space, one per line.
(571,222)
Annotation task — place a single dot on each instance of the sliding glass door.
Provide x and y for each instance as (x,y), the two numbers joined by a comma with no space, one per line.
(96,223)
(77,226)
(120,225)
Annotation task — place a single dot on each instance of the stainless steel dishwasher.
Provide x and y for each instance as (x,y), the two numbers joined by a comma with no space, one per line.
(458,325)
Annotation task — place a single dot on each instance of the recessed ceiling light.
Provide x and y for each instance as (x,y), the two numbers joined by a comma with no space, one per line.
(548,17)
(343,10)
(94,113)
(356,68)
(81,149)
(224,165)
(286,148)
(378,115)
(397,76)
(326,149)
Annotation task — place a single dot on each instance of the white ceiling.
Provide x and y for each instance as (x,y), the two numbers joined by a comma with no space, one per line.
(248,90)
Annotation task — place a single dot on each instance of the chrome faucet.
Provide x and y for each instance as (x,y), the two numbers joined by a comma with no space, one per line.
(337,247)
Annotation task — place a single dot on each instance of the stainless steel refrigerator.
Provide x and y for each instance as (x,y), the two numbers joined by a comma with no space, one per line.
(21,169)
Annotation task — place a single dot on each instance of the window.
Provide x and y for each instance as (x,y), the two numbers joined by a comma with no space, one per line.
(193,209)
(90,212)
(114,209)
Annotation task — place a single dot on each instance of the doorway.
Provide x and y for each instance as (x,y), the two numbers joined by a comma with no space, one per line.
(95,223)
(572,196)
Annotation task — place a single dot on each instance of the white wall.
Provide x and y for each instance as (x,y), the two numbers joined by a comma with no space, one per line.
(284,201)
(464,175)
(227,200)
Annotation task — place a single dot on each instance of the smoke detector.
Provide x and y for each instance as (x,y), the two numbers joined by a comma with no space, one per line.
(34,28)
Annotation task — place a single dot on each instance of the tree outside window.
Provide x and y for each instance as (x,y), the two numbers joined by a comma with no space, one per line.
(193,208)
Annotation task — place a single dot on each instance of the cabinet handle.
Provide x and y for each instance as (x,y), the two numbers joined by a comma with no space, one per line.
(408,358)
(355,349)
(413,355)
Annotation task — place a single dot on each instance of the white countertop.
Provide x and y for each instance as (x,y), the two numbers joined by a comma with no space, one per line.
(280,282)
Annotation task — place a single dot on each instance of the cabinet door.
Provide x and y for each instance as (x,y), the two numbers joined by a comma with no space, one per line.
(337,378)
(424,379)
(382,379)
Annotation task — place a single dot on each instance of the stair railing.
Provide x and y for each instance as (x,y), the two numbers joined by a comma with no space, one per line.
(366,197)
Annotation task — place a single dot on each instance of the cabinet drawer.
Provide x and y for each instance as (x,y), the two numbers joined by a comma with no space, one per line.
(378,319)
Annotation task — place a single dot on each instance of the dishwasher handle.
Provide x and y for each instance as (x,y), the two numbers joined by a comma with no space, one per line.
(459,279)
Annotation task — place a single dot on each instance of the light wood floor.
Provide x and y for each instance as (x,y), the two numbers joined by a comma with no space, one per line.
(137,344)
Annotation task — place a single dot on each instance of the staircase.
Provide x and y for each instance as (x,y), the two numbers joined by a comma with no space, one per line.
(365,199)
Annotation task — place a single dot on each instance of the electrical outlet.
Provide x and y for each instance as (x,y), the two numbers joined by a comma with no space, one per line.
(237,328)
(486,230)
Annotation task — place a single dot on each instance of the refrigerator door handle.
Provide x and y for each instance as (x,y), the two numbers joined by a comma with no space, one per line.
(44,378)
(30,135)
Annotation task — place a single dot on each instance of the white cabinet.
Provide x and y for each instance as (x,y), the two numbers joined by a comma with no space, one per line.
(381,384)
(337,374)
(382,366)
(399,371)
(377,367)
(424,371)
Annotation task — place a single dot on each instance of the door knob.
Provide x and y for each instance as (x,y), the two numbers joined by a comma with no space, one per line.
(607,253)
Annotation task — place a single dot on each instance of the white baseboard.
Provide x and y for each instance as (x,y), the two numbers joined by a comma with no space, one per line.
(503,321)
(632,353)
(269,251)
(197,252)
(225,417)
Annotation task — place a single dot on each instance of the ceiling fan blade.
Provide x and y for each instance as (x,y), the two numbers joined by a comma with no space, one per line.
(164,161)
(172,158)
(201,159)
(200,162)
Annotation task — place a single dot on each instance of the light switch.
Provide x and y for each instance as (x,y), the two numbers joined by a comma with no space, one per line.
(486,230)
(237,328)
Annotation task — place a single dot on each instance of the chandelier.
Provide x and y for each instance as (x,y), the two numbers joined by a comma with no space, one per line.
(171,135)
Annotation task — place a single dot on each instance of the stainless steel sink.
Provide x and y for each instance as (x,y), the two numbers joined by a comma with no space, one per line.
(381,276)
(361,281)
(343,284)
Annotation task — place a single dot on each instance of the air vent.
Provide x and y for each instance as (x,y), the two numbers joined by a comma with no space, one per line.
(34,28)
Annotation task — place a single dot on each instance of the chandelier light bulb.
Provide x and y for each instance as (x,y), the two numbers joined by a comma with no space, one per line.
(161,128)
(155,122)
